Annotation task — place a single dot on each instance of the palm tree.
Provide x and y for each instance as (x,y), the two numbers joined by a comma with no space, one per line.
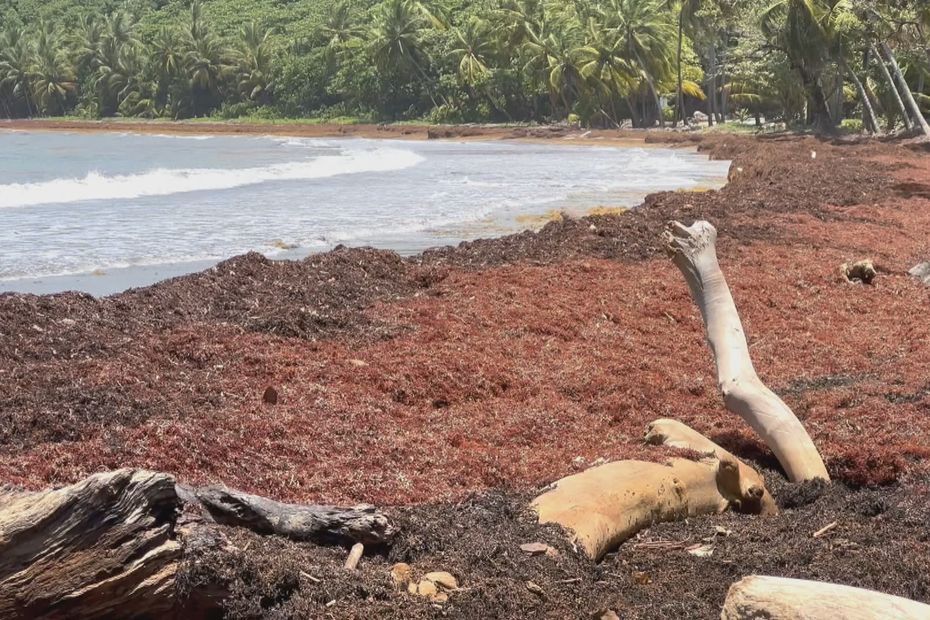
(51,74)
(206,62)
(16,58)
(801,29)
(167,55)
(395,40)
(255,73)
(602,62)
(687,13)
(644,31)
(554,55)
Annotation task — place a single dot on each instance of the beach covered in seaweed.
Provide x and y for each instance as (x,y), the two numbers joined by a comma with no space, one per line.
(501,365)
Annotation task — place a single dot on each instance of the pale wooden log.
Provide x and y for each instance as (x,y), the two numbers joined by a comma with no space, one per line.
(606,505)
(111,545)
(693,250)
(778,598)
(740,484)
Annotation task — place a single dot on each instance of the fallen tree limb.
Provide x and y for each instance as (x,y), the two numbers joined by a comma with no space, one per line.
(693,250)
(327,524)
(112,544)
(607,505)
(739,483)
(777,598)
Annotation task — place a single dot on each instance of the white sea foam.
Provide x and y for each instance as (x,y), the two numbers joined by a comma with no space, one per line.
(163,182)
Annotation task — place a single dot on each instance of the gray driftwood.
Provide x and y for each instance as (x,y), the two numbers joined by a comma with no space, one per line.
(112,544)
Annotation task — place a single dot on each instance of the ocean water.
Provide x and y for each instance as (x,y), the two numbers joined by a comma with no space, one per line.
(73,204)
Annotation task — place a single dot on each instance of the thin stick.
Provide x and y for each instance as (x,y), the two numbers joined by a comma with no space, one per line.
(825,529)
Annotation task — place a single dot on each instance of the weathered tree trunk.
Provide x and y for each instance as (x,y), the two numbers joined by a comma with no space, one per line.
(607,505)
(694,252)
(104,547)
(906,91)
(777,598)
(112,544)
(894,89)
(327,524)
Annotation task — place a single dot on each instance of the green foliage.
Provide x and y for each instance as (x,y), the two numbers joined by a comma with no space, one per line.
(591,63)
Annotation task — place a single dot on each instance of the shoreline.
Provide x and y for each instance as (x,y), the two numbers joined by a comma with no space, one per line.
(297,129)
(106,281)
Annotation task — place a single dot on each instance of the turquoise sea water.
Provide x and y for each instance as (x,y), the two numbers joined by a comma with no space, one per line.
(92,203)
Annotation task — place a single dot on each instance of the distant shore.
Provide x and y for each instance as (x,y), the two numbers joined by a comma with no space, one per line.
(302,129)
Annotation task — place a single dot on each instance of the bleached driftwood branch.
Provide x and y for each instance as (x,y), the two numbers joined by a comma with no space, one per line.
(607,505)
(112,544)
(739,483)
(777,598)
(693,250)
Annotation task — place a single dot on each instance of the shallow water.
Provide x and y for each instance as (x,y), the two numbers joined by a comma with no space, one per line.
(151,206)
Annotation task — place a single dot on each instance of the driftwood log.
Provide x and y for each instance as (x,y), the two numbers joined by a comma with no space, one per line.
(693,250)
(777,598)
(606,505)
(112,544)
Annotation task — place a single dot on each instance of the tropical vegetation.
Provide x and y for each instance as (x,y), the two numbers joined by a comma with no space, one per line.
(815,63)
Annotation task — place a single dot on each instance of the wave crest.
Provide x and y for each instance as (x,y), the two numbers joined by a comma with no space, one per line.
(164,182)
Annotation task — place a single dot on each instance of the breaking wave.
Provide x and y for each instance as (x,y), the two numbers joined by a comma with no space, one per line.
(163,182)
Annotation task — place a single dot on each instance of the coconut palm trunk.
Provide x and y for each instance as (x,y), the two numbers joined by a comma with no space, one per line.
(871,120)
(680,112)
(894,89)
(906,91)
(711,85)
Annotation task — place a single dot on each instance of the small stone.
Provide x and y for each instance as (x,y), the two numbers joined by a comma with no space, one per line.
(642,578)
(441,597)
(860,271)
(534,548)
(719,530)
(427,588)
(358,363)
(921,272)
(412,588)
(400,572)
(442,579)
(270,397)
(535,589)
(607,614)
(702,551)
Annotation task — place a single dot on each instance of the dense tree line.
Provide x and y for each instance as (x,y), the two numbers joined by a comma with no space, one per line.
(596,62)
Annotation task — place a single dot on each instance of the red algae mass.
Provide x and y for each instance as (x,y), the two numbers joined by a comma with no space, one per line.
(500,363)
